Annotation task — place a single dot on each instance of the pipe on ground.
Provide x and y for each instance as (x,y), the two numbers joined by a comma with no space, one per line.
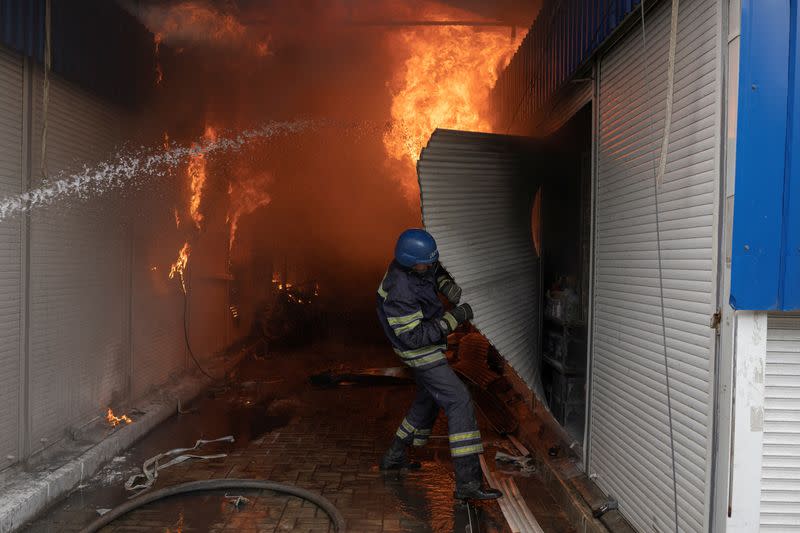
(219,484)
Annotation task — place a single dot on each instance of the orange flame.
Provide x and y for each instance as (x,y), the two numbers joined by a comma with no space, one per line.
(197,177)
(177,219)
(166,141)
(444,83)
(246,195)
(179,266)
(116,420)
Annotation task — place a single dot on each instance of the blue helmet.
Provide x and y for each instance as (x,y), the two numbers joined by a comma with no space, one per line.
(414,247)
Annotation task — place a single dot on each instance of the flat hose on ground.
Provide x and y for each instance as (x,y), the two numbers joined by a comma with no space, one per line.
(219,484)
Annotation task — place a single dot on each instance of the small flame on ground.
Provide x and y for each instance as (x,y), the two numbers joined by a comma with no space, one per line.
(179,266)
(166,141)
(246,195)
(116,420)
(197,177)
(177,218)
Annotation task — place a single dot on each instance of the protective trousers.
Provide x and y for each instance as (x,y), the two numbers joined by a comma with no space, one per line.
(439,387)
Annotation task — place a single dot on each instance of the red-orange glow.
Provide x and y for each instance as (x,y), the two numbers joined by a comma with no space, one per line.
(444,83)
(246,195)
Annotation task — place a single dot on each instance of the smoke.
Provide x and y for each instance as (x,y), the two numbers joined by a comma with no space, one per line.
(326,203)
(188,23)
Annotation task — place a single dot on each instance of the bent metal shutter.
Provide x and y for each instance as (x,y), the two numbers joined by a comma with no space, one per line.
(476,201)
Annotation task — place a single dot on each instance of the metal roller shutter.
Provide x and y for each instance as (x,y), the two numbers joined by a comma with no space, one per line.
(629,432)
(79,274)
(477,205)
(11,182)
(780,468)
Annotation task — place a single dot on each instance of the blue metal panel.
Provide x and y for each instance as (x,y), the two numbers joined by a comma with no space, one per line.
(766,227)
(22,26)
(562,38)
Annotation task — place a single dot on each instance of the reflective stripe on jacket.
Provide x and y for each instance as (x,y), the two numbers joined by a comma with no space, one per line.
(409,310)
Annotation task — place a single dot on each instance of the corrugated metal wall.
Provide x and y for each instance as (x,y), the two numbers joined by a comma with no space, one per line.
(780,468)
(766,234)
(629,432)
(89,317)
(11,182)
(476,201)
(563,37)
(78,263)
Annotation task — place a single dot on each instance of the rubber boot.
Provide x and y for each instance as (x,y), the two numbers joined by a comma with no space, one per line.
(396,458)
(469,480)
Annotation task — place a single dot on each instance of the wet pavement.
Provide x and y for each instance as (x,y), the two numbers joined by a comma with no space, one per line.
(326,439)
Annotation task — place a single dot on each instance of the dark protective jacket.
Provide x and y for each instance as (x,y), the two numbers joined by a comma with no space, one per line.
(409,310)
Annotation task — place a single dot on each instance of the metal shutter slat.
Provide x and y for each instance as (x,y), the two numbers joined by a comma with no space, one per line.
(780,469)
(628,375)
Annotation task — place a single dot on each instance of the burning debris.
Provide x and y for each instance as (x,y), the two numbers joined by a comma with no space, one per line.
(179,266)
(291,316)
(116,420)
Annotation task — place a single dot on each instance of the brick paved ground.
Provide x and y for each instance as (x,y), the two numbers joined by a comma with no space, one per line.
(324,439)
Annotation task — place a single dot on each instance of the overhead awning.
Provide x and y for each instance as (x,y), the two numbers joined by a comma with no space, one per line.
(476,192)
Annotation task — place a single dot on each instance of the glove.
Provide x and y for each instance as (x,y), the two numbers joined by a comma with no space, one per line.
(449,288)
(458,315)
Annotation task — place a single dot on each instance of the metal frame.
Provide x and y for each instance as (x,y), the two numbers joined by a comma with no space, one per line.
(592,227)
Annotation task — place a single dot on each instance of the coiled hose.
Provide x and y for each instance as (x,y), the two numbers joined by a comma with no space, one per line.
(219,484)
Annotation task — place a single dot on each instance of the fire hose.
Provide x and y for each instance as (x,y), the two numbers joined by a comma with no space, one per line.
(220,484)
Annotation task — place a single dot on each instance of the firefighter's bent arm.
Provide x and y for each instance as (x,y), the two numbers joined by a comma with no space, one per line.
(406,320)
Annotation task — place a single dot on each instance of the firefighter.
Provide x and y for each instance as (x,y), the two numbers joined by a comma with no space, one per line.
(417,326)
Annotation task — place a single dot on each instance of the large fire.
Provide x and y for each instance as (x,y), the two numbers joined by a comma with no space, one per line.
(197,177)
(179,266)
(246,195)
(444,83)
